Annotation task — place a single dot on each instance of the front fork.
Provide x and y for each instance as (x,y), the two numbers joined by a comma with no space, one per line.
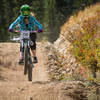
(29,55)
(22,43)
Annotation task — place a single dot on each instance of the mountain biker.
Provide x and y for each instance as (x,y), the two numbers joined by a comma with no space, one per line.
(27,22)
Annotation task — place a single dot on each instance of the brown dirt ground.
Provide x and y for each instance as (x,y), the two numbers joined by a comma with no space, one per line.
(15,86)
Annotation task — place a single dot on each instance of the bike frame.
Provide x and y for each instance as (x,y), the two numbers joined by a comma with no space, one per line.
(25,43)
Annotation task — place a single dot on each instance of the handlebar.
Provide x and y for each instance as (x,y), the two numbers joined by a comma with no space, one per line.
(16,31)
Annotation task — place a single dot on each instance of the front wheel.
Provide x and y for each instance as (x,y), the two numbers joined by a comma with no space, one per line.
(25,58)
(27,65)
(29,73)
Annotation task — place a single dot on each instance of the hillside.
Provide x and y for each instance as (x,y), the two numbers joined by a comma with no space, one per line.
(77,48)
(75,55)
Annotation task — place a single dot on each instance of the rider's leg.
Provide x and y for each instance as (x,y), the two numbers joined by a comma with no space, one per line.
(21,60)
(33,50)
(33,47)
(21,55)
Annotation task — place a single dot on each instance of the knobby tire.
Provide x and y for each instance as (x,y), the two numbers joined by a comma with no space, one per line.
(25,59)
(27,67)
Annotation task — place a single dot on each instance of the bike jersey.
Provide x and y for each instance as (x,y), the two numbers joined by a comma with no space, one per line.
(21,23)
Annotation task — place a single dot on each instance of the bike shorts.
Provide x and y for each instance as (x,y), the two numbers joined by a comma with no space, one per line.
(33,39)
(33,45)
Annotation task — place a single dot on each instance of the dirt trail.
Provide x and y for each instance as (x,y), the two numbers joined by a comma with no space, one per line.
(11,71)
(15,86)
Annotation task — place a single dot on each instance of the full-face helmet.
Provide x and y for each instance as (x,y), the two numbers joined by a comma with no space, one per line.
(25,10)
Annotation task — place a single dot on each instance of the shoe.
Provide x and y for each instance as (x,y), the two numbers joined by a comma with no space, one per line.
(35,60)
(21,61)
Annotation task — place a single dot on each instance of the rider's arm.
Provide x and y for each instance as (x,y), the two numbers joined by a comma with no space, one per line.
(15,23)
(37,23)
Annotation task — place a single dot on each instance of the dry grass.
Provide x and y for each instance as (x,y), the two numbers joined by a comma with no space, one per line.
(73,27)
(83,31)
(78,18)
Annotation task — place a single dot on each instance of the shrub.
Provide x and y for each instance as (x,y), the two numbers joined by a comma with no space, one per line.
(83,31)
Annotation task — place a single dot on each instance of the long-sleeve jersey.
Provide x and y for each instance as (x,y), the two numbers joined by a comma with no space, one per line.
(20,21)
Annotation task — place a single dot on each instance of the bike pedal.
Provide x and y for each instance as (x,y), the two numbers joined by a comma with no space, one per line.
(21,63)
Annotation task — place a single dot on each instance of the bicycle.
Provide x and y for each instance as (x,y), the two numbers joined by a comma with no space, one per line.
(25,43)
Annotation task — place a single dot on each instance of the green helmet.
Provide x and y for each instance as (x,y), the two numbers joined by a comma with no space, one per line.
(25,10)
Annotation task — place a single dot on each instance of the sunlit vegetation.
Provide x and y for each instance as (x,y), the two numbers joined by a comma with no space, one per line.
(83,31)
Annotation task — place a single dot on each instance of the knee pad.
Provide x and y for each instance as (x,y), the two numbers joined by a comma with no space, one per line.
(33,47)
